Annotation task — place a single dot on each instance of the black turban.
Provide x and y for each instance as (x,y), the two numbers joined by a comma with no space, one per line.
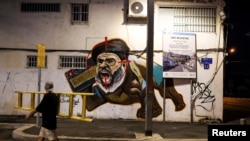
(117,46)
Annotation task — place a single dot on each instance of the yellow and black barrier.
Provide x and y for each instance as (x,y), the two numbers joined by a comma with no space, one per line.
(71,102)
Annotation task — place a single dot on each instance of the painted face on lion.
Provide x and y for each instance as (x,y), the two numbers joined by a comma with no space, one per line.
(110,71)
(120,78)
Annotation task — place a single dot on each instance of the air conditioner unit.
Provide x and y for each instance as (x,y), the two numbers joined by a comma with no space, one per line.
(137,8)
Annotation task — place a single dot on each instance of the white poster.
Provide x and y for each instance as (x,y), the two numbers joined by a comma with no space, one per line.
(179,55)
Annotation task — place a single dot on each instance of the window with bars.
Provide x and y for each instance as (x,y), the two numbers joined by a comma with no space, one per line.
(73,62)
(188,19)
(40,7)
(32,61)
(80,13)
(197,1)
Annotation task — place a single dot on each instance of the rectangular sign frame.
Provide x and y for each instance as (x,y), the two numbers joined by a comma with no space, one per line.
(179,55)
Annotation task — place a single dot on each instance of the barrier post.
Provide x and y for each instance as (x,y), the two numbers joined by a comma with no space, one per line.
(71,105)
(32,101)
(83,106)
(20,99)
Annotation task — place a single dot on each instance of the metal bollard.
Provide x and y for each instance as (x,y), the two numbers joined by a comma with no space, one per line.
(243,121)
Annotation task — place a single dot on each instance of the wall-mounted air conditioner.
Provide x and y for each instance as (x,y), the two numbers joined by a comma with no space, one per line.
(137,8)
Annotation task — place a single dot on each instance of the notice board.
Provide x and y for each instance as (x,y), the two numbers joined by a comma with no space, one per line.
(179,55)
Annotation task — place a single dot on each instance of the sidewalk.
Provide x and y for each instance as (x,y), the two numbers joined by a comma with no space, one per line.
(118,130)
(125,130)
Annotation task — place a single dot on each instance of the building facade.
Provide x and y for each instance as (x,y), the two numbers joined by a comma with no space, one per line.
(69,29)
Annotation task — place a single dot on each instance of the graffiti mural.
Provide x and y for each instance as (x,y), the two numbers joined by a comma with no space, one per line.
(118,77)
(202,96)
(66,99)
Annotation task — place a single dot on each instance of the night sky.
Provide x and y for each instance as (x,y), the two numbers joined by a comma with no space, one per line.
(237,27)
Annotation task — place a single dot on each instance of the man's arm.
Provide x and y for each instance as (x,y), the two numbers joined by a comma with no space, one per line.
(29,115)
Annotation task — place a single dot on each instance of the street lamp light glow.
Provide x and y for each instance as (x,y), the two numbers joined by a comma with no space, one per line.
(232,51)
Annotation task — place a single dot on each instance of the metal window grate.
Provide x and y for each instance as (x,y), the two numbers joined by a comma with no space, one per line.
(80,13)
(74,62)
(40,7)
(32,61)
(188,19)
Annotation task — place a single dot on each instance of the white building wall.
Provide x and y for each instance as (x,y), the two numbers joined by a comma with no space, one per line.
(26,30)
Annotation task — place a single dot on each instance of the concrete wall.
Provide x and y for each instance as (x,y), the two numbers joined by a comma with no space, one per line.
(25,30)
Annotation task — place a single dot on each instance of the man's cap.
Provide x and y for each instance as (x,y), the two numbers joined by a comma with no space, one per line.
(48,86)
(117,46)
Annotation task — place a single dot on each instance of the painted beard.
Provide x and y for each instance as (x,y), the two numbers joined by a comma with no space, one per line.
(108,82)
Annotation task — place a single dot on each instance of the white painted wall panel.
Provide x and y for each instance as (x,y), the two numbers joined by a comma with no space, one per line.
(26,30)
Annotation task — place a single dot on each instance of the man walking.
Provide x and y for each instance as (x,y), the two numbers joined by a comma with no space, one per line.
(49,109)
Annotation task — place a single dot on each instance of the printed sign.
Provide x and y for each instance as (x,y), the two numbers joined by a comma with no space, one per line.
(206,62)
(40,56)
(179,55)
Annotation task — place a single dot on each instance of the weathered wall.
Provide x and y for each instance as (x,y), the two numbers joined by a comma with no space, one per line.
(26,30)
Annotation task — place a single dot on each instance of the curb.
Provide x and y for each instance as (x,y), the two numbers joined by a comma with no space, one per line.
(18,134)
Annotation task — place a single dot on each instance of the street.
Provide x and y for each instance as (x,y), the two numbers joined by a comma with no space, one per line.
(6,133)
(233,110)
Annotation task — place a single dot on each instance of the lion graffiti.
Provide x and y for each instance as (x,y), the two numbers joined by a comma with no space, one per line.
(119,78)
